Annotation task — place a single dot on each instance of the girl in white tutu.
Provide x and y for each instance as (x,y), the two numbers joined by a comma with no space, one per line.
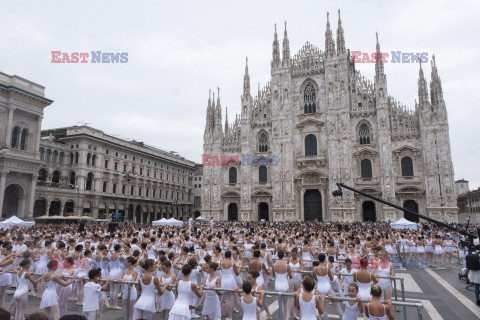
(229,270)
(65,291)
(307,302)
(352,308)
(375,309)
(49,300)
(145,306)
(181,308)
(116,269)
(250,303)
(211,306)
(168,298)
(20,297)
(129,275)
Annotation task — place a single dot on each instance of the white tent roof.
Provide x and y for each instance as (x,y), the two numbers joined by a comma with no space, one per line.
(169,222)
(403,223)
(200,218)
(15,221)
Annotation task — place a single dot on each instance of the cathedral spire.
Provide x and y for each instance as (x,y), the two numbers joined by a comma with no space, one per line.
(340,37)
(286,48)
(226,121)
(218,114)
(246,80)
(422,89)
(208,121)
(379,71)
(436,92)
(329,46)
(275,50)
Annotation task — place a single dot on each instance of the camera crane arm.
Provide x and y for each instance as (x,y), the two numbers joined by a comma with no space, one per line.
(338,193)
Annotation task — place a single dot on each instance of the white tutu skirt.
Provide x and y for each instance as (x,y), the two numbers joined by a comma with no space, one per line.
(133,292)
(168,299)
(146,303)
(211,306)
(180,310)
(49,298)
(474,276)
(5,279)
(428,249)
(384,283)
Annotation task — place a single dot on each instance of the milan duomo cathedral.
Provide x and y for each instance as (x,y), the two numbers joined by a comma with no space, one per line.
(317,122)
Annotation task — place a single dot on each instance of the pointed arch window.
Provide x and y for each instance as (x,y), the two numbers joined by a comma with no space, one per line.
(309,97)
(263,142)
(232,175)
(364,134)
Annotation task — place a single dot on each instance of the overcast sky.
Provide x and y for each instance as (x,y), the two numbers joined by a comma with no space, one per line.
(178,50)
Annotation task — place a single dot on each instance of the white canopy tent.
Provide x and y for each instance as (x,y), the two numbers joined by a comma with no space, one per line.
(404,224)
(15,221)
(200,218)
(169,222)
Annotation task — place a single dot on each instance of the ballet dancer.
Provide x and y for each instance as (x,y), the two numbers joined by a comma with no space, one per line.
(181,308)
(211,305)
(129,275)
(20,297)
(374,309)
(307,302)
(249,302)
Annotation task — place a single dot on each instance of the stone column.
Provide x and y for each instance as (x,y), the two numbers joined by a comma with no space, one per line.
(3,178)
(31,196)
(37,138)
(47,209)
(62,208)
(9,128)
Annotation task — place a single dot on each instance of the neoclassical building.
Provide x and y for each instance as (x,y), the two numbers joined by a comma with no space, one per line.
(21,113)
(317,122)
(82,172)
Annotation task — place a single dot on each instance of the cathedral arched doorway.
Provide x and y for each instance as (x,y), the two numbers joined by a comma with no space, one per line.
(411,205)
(232,212)
(369,211)
(312,205)
(11,201)
(196,214)
(263,211)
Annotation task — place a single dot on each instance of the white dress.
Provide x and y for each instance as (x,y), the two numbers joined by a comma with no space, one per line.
(146,302)
(228,278)
(383,272)
(211,306)
(42,264)
(6,278)
(297,277)
(168,298)
(307,309)
(364,289)
(323,284)
(181,307)
(249,309)
(281,282)
(351,312)
(22,286)
(347,279)
(133,289)
(49,297)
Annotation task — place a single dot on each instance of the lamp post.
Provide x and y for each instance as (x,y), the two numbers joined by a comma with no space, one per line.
(129,176)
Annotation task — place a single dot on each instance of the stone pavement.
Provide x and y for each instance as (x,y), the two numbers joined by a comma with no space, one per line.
(441,292)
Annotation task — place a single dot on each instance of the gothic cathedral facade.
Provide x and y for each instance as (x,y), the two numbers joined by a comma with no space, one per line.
(317,122)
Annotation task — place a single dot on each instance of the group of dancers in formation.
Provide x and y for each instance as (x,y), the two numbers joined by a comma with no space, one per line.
(174,271)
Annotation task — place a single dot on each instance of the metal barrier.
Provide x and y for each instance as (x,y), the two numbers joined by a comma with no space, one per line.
(395,303)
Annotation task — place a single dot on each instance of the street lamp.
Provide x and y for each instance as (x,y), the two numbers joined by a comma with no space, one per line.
(129,176)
